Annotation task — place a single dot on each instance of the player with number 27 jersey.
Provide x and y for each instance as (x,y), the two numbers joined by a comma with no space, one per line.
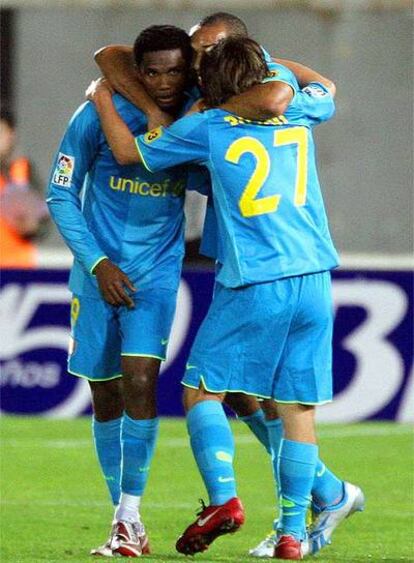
(271,218)
(272,239)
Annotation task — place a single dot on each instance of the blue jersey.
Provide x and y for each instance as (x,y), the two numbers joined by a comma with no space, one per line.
(271,219)
(125,213)
(303,105)
(209,245)
(280,73)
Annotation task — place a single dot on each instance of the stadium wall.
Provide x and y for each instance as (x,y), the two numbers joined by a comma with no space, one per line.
(373,345)
(365,154)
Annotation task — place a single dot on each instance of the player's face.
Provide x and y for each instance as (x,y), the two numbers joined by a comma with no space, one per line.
(164,76)
(204,38)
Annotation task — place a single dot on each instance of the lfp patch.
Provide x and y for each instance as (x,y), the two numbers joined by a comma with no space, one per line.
(64,170)
(315,91)
(153,135)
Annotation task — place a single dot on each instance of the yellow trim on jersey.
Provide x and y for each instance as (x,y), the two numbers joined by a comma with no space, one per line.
(252,394)
(117,376)
(144,356)
(96,263)
(225,390)
(141,155)
(302,402)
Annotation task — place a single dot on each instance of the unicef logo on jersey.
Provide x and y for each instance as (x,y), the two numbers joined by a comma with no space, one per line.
(139,187)
(34,381)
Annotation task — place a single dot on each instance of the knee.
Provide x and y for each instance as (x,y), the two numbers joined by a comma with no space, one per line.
(298,422)
(107,399)
(193,396)
(139,375)
(139,382)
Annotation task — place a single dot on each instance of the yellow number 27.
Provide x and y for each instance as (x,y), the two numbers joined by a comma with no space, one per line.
(251,205)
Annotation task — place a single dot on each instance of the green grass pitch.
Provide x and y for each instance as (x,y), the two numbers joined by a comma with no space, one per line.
(55,506)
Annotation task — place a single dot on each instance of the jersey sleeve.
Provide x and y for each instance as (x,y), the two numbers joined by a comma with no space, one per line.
(71,164)
(314,103)
(281,73)
(184,141)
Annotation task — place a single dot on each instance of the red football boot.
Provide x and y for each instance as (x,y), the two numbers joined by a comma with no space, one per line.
(130,540)
(126,539)
(289,548)
(212,522)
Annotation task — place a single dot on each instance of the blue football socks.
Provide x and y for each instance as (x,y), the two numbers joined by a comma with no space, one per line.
(297,462)
(213,448)
(138,439)
(107,438)
(327,489)
(258,425)
(275,431)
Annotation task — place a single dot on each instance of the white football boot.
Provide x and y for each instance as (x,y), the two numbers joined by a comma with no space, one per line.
(329,518)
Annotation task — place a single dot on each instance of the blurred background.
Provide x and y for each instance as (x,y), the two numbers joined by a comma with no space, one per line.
(365,162)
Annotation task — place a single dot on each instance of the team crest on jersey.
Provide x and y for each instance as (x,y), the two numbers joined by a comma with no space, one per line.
(273,73)
(65,166)
(153,135)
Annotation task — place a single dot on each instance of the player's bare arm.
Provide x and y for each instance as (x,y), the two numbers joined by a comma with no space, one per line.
(306,75)
(118,135)
(117,65)
(262,101)
(112,282)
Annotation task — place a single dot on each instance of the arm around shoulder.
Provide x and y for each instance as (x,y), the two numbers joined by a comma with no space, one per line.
(116,62)
(262,101)
(117,65)
(305,75)
(119,137)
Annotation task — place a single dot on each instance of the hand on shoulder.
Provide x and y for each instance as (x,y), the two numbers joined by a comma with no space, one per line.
(99,87)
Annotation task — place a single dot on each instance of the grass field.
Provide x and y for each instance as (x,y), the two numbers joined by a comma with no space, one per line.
(55,505)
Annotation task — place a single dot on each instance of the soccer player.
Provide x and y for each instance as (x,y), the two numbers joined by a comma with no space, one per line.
(126,234)
(270,321)
(115,63)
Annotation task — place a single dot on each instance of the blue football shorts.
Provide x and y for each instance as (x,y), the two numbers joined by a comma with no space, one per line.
(101,333)
(271,340)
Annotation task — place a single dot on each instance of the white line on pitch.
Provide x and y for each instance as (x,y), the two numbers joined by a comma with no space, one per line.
(159,506)
(164,442)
